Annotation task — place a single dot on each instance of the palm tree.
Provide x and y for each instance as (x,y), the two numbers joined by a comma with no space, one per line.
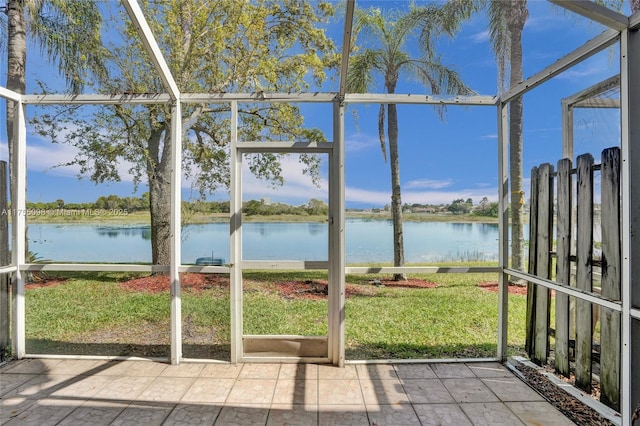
(506,23)
(67,32)
(385,39)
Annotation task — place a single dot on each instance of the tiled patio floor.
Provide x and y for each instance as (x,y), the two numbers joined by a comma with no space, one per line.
(84,392)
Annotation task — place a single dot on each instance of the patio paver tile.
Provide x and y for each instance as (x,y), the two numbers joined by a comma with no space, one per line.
(441,414)
(221,371)
(142,414)
(87,386)
(328,372)
(382,392)
(415,371)
(208,390)
(193,414)
(469,390)
(124,388)
(11,381)
(252,391)
(489,369)
(538,412)
(183,370)
(299,371)
(426,391)
(296,392)
(452,371)
(13,407)
(392,415)
(512,389)
(40,386)
(259,371)
(94,413)
(145,369)
(243,415)
(45,412)
(344,415)
(376,371)
(335,392)
(490,414)
(293,414)
(166,389)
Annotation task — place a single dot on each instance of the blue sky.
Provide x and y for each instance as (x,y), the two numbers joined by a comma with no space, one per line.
(440,160)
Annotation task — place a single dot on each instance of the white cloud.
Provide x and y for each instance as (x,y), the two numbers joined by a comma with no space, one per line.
(297,187)
(429,183)
(360,142)
(480,37)
(45,157)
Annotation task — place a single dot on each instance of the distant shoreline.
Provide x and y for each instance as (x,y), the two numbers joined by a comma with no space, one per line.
(121,217)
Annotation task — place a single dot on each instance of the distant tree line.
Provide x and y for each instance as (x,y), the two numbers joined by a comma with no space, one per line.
(457,206)
(108,202)
(252,207)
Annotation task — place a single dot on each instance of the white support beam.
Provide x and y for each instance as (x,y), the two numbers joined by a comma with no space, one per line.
(235,235)
(587,296)
(386,98)
(176,228)
(10,94)
(503,226)
(147,98)
(285,147)
(301,265)
(337,263)
(346,46)
(595,12)
(598,103)
(634,21)
(148,40)
(298,97)
(567,129)
(19,230)
(593,91)
(421,269)
(601,42)
(630,175)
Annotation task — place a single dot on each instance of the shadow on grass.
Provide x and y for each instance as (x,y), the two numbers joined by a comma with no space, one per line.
(385,350)
(220,352)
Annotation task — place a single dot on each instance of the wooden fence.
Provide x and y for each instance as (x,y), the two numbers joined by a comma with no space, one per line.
(575,329)
(5,328)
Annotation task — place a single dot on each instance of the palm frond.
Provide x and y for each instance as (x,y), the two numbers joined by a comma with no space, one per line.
(361,70)
(68,32)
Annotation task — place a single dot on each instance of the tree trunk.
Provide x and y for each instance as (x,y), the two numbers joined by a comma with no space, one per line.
(396,198)
(519,17)
(16,71)
(159,173)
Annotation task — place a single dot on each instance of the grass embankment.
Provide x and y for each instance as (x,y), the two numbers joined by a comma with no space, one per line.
(94,313)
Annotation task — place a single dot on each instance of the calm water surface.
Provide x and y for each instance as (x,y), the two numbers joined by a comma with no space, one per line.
(366,241)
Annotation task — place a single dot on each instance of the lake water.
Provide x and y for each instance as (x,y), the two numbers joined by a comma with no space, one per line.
(366,241)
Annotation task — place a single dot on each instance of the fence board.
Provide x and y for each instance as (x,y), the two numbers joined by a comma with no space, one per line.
(531,288)
(543,261)
(563,264)
(5,330)
(611,279)
(584,270)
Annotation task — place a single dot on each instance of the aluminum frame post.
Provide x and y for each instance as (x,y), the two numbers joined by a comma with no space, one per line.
(19,230)
(235,235)
(175,224)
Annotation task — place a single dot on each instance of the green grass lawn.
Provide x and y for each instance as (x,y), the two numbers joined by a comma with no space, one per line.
(91,313)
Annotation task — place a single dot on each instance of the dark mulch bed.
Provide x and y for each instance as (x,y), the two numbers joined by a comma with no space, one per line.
(572,408)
